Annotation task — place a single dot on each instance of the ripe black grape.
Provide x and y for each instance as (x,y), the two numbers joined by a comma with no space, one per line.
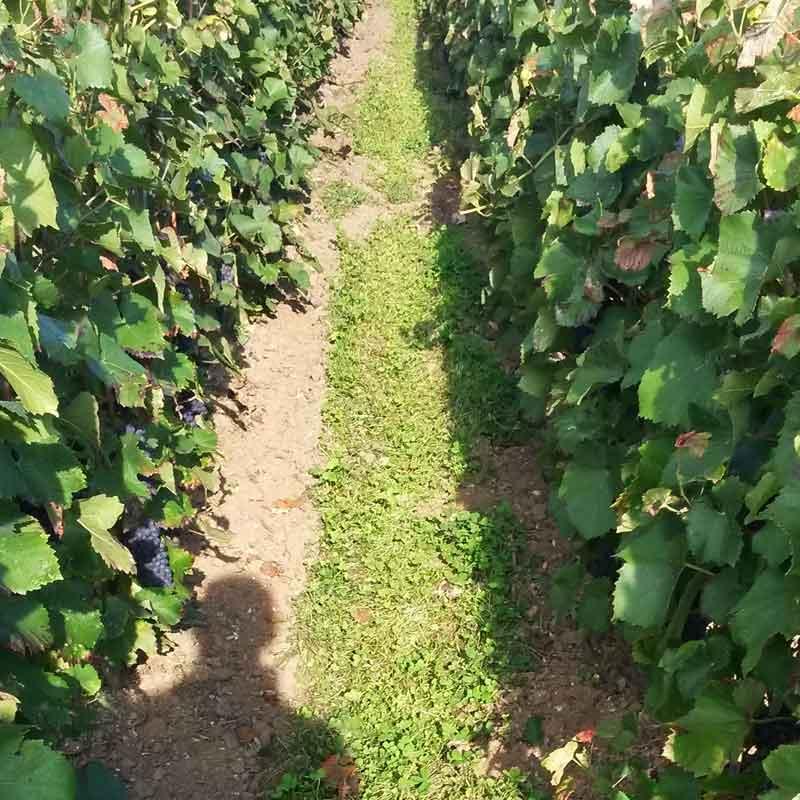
(226,273)
(192,411)
(150,555)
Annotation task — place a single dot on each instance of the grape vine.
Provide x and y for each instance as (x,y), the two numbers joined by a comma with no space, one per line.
(151,163)
(639,164)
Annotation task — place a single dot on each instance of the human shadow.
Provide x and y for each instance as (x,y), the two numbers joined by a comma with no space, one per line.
(211,718)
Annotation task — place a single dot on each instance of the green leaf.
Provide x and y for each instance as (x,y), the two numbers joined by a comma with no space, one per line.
(24,624)
(654,558)
(51,473)
(132,162)
(713,537)
(614,66)
(588,493)
(45,92)
(27,561)
(92,57)
(711,735)
(735,167)
(142,329)
(82,417)
(678,376)
(97,515)
(782,164)
(32,771)
(27,180)
(33,387)
(783,767)
(770,607)
(693,195)
(97,782)
(705,104)
(733,282)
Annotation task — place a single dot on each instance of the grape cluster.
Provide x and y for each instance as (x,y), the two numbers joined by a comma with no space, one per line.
(150,555)
(185,291)
(226,273)
(192,411)
(139,433)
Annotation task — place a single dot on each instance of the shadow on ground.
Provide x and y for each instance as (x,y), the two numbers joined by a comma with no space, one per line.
(244,741)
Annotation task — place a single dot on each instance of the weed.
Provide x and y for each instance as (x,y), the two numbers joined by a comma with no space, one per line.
(339,197)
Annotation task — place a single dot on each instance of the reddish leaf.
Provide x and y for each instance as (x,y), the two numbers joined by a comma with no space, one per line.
(341,774)
(108,264)
(112,114)
(794,113)
(289,502)
(696,442)
(633,255)
(787,339)
(585,736)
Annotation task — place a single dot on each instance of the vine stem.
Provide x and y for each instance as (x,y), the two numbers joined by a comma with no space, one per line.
(704,571)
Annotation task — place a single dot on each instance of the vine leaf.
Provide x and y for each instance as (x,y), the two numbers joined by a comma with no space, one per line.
(97,515)
(710,735)
(733,282)
(92,59)
(787,339)
(45,92)
(712,536)
(770,607)
(782,164)
(782,766)
(693,195)
(24,625)
(654,558)
(82,416)
(777,19)
(30,770)
(678,375)
(734,159)
(33,387)
(27,562)
(588,493)
(27,180)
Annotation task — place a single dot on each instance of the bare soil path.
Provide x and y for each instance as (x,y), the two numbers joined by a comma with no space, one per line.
(209,717)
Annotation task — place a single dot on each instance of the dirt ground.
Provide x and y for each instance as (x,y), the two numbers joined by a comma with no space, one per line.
(196,721)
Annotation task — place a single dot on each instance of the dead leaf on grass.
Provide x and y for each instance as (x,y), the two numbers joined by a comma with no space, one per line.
(361,615)
(341,774)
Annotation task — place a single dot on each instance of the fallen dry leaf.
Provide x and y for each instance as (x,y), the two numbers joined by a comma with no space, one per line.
(341,774)
(109,264)
(271,569)
(361,615)
(289,502)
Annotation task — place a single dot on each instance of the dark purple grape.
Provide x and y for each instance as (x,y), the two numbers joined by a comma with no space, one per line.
(192,411)
(150,555)
(185,291)
(680,142)
(226,273)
